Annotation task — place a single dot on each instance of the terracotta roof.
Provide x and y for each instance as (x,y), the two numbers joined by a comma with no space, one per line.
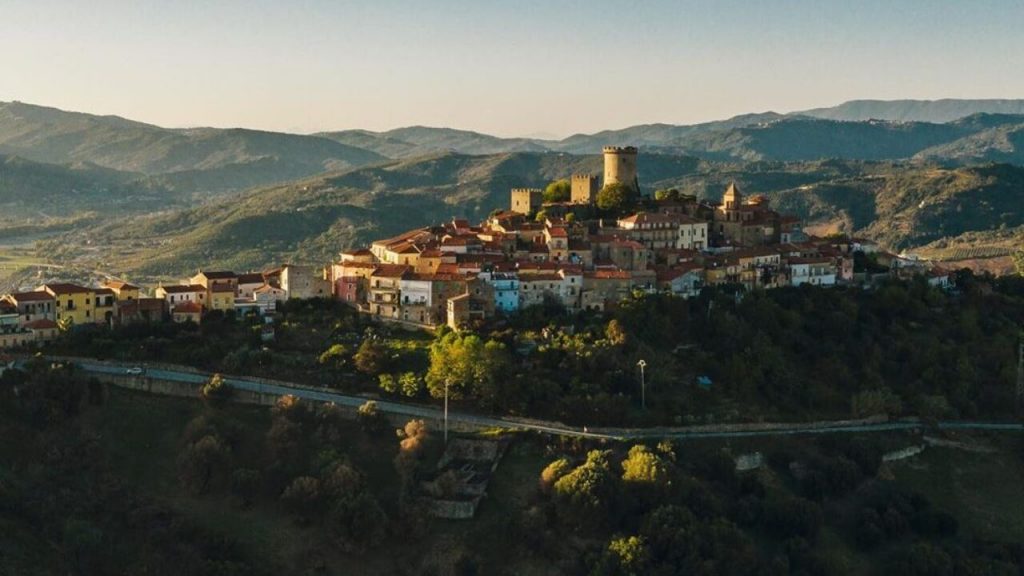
(558,232)
(222,288)
(251,278)
(183,288)
(390,270)
(65,288)
(219,274)
(543,277)
(358,252)
(41,324)
(34,296)
(187,308)
(104,291)
(608,275)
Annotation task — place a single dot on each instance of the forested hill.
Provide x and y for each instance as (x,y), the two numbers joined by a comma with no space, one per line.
(902,205)
(55,136)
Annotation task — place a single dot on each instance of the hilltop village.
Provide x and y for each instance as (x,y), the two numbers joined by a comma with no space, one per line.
(567,253)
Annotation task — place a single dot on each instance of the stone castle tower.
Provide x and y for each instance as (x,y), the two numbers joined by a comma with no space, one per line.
(526,200)
(620,166)
(584,188)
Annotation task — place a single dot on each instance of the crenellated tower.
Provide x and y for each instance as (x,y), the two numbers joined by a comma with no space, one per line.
(620,166)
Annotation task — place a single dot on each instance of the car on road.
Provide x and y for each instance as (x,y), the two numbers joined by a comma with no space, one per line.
(134,371)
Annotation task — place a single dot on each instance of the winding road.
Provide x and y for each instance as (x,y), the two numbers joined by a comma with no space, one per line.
(196,378)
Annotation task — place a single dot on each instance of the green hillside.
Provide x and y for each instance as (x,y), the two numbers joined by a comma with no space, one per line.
(31,190)
(901,205)
(55,136)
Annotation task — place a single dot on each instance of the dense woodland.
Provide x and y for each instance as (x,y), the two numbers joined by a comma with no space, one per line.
(82,494)
(903,349)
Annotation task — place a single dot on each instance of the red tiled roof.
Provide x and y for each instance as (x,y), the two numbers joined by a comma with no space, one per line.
(187,308)
(183,288)
(390,270)
(34,296)
(609,275)
(219,274)
(66,288)
(41,324)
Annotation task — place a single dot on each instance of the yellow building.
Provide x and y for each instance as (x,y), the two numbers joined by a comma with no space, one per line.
(222,297)
(123,290)
(73,303)
(105,301)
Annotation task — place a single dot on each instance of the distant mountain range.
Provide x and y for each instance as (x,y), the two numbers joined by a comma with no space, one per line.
(213,158)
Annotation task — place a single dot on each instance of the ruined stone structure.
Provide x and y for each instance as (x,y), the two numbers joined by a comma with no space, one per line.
(620,166)
(584,189)
(526,200)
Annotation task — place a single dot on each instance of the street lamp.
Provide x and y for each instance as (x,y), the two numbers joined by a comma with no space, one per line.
(643,385)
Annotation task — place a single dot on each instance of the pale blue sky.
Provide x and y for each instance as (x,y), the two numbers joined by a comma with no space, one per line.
(512,68)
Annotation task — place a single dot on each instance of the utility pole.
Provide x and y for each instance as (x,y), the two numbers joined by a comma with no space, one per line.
(643,385)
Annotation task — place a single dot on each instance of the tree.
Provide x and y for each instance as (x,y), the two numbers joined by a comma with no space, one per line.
(303,498)
(540,216)
(552,472)
(663,195)
(881,401)
(358,522)
(203,464)
(614,197)
(468,365)
(336,356)
(558,191)
(628,556)
(245,485)
(370,419)
(932,407)
(644,467)
(371,358)
(585,496)
(616,333)
(412,438)
(388,383)
(410,384)
(216,392)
